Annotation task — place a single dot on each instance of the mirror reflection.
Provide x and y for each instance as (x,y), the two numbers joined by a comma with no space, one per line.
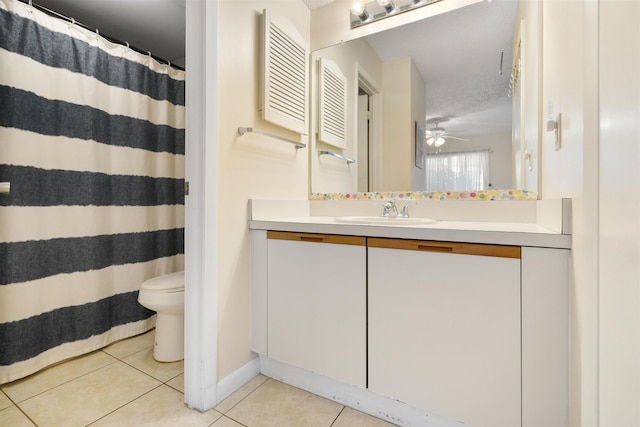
(449,103)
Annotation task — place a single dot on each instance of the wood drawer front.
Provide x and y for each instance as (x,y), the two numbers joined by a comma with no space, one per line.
(447,247)
(317,238)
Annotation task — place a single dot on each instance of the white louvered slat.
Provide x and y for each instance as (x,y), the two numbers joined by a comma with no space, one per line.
(285,65)
(332,100)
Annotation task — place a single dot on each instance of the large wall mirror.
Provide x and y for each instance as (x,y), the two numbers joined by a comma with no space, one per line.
(467,79)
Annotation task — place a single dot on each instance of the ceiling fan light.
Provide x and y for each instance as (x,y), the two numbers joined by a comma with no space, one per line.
(430,140)
(439,141)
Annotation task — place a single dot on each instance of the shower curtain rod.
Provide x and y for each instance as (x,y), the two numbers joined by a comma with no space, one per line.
(95,30)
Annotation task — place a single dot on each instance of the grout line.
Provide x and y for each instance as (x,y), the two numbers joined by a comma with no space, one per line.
(229,418)
(241,400)
(65,382)
(338,416)
(17,406)
(122,406)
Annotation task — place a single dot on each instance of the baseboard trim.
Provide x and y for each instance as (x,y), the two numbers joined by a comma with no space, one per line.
(362,400)
(237,379)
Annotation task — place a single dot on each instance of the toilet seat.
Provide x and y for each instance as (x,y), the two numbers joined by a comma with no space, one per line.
(168,283)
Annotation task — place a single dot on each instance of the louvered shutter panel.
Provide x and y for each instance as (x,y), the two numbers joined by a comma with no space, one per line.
(332,100)
(285,70)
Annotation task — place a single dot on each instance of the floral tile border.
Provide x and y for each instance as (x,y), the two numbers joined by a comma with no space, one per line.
(432,195)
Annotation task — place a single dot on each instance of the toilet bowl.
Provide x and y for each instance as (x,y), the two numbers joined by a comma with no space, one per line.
(165,295)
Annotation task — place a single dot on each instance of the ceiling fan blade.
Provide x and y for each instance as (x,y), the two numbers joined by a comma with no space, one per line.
(455,137)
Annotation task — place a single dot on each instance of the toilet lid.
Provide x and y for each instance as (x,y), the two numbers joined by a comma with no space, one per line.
(173,282)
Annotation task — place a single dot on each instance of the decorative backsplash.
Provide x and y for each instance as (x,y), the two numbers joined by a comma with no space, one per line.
(432,195)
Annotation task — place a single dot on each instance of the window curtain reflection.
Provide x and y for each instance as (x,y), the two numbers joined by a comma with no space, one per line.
(457,171)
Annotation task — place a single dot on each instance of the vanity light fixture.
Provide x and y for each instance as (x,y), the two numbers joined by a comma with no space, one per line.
(364,13)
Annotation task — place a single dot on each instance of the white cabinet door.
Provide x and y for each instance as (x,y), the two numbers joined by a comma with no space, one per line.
(317,303)
(444,329)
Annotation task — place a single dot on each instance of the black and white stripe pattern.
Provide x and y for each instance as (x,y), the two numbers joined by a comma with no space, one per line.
(92,142)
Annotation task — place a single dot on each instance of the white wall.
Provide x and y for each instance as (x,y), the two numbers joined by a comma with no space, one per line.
(531,68)
(398,123)
(619,275)
(569,64)
(418,115)
(249,166)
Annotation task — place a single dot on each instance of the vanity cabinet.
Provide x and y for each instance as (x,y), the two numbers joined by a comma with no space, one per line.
(317,303)
(468,332)
(444,328)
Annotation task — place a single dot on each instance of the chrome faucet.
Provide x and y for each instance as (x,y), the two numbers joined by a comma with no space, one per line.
(389,209)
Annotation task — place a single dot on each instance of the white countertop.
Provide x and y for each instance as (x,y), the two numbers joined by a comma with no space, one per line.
(499,233)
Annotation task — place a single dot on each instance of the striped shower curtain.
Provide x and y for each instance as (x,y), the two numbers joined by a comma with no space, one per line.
(92,143)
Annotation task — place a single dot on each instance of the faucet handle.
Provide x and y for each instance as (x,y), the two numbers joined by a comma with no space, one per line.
(404,212)
(389,208)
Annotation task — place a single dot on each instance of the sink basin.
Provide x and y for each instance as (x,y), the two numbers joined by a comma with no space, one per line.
(380,220)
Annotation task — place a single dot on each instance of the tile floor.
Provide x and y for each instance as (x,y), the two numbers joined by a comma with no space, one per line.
(121,385)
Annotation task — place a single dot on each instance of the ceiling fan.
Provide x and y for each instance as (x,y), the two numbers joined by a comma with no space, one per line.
(436,136)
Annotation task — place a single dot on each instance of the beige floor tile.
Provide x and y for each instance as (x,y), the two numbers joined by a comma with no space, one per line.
(49,378)
(90,397)
(226,422)
(275,404)
(13,417)
(240,394)
(177,383)
(352,418)
(163,371)
(5,402)
(162,406)
(129,346)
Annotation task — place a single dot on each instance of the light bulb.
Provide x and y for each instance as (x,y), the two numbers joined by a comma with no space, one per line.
(359,10)
(430,140)
(388,5)
(439,141)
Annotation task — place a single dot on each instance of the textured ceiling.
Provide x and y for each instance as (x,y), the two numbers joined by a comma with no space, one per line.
(458,54)
(312,4)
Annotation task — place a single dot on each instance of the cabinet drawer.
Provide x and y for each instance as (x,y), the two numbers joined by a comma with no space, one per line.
(317,238)
(500,251)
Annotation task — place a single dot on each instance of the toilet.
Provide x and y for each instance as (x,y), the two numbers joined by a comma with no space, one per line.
(165,295)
